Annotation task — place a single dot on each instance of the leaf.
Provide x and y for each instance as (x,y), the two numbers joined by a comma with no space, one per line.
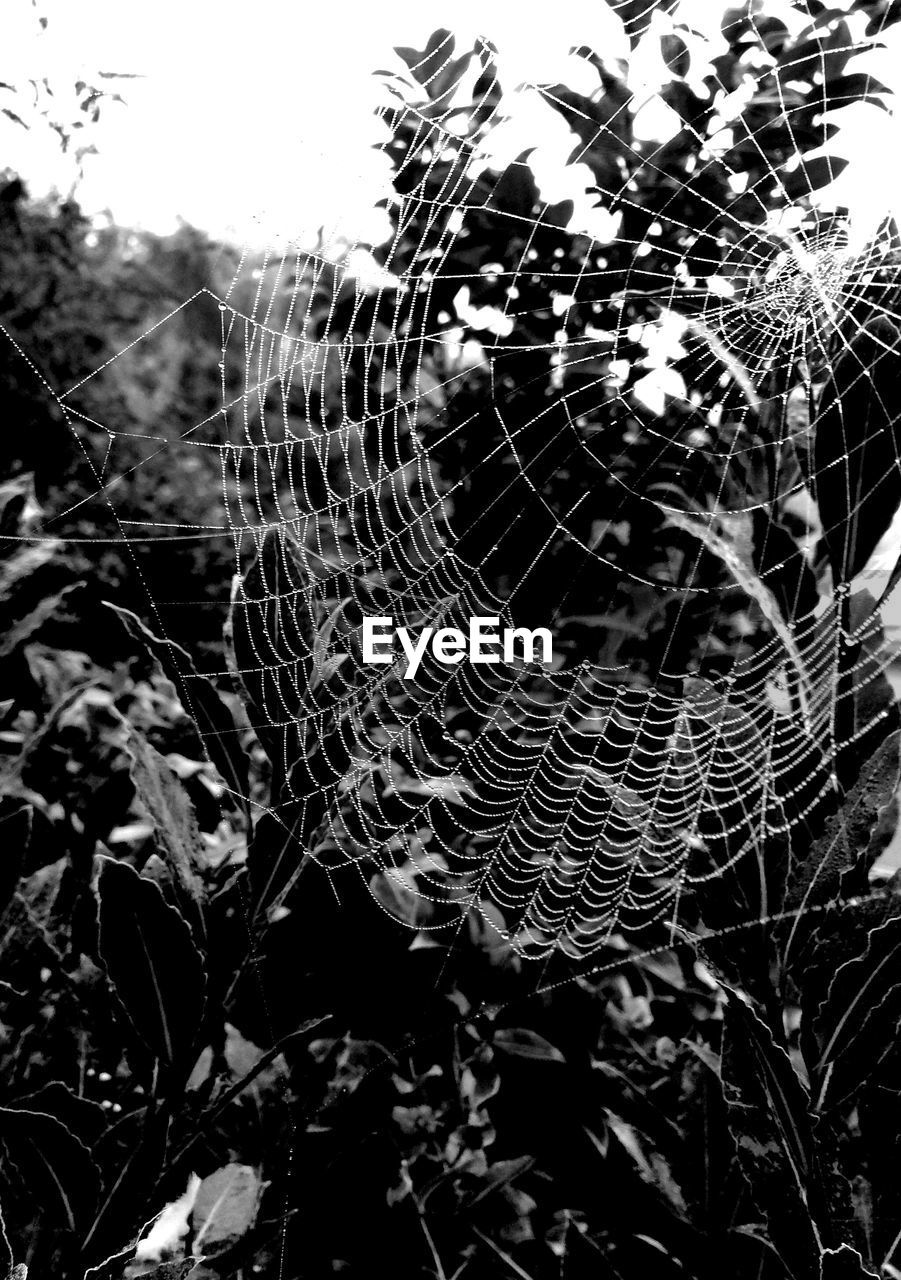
(452,788)
(22,630)
(433,64)
(736,553)
(226,1207)
(324,667)
(499,1175)
(245,1060)
(857,1025)
(86,1119)
(134,1153)
(170,809)
(844,1263)
(57,1167)
(158,974)
(857,442)
(214,720)
(521,1042)
(6,1253)
(488,931)
(857,87)
(652,1168)
(399,900)
(782,566)
(47,902)
(11,776)
(514,191)
(273,635)
(705,1054)
(845,840)
(769,1123)
(635,15)
(812,174)
(179,1269)
(24,564)
(240,1086)
(15,834)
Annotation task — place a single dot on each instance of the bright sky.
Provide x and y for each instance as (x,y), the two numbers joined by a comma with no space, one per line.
(256,120)
(253,115)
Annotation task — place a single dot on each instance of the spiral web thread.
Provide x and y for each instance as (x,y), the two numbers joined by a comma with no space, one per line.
(572,803)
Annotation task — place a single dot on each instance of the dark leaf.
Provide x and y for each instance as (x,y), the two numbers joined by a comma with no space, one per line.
(147,951)
(56,1166)
(214,720)
(275,859)
(170,809)
(783,568)
(46,897)
(6,1253)
(857,438)
(262,1065)
(813,174)
(858,1023)
(11,776)
(499,1175)
(520,1042)
(399,900)
(514,191)
(273,635)
(651,1166)
(137,1143)
(84,1118)
(431,64)
(845,840)
(771,32)
(15,833)
(857,87)
(675,53)
(768,1119)
(821,49)
(844,1263)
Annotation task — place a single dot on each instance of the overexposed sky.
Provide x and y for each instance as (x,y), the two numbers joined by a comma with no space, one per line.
(258,116)
(255,119)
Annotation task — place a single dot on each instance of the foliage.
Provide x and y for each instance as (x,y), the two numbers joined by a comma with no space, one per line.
(201,1024)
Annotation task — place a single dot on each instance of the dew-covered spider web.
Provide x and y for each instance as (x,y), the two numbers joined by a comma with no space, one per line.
(623,368)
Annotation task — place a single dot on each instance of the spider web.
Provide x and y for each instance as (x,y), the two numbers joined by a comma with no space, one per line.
(655,426)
